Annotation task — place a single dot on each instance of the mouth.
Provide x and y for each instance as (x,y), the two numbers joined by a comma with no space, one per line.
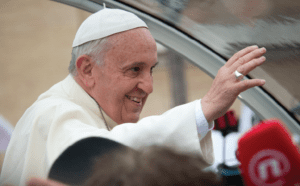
(134,99)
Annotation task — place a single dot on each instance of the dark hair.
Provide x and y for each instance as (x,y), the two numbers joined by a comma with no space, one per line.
(153,166)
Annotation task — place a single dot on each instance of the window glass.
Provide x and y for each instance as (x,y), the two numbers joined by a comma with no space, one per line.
(226,26)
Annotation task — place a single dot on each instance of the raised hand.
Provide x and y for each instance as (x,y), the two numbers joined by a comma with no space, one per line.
(226,86)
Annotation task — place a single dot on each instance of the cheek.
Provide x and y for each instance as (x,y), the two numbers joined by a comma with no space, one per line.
(128,85)
(116,94)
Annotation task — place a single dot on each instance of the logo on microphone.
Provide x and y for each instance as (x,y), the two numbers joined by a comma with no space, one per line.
(267,167)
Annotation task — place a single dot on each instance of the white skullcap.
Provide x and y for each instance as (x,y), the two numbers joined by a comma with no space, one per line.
(105,23)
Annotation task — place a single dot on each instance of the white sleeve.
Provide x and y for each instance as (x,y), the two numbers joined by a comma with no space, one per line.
(179,127)
(203,127)
(175,128)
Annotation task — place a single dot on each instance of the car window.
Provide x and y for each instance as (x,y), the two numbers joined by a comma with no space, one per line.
(227,26)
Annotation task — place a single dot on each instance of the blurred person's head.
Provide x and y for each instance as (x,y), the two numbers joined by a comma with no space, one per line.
(152,166)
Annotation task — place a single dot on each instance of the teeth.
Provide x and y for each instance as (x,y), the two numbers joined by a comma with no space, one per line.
(135,99)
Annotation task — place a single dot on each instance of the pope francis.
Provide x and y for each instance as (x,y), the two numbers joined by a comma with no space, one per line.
(110,79)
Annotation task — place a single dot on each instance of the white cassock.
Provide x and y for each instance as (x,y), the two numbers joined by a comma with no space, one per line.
(66,114)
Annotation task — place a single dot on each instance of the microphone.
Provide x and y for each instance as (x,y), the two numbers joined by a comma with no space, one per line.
(268,155)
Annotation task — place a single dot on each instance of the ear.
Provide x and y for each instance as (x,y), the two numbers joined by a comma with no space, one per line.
(84,66)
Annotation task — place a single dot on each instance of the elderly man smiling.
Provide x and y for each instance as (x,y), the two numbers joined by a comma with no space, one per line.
(110,79)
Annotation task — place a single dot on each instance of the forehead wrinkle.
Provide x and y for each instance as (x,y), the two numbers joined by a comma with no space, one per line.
(133,64)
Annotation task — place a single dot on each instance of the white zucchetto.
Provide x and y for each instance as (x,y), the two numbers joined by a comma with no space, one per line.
(105,23)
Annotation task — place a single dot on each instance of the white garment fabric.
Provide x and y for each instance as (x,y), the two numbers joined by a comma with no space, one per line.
(66,114)
(6,130)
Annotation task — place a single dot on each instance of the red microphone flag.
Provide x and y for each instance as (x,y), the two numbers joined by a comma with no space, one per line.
(268,156)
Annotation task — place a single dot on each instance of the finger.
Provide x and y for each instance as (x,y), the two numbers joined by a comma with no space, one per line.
(42,182)
(249,83)
(248,57)
(240,54)
(248,67)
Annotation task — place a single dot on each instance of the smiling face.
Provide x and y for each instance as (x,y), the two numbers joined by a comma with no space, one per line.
(124,82)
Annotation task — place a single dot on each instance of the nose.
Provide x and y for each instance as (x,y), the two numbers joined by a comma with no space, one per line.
(146,83)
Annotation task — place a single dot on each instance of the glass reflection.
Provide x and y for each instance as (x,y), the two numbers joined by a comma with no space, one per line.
(227,26)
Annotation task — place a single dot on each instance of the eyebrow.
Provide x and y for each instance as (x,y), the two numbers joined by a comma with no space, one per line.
(138,63)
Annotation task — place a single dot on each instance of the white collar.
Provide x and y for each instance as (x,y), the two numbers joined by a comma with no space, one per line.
(77,94)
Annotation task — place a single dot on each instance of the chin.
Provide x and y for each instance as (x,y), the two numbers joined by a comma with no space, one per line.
(133,119)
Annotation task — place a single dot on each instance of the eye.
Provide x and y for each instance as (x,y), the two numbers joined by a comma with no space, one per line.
(136,69)
(133,71)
